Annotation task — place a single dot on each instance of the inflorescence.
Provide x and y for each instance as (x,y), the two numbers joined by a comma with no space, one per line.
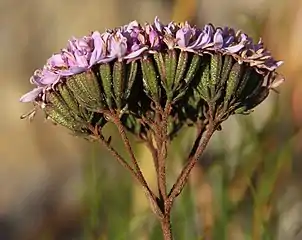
(132,70)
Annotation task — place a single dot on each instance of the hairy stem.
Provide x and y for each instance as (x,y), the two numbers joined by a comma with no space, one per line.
(149,193)
(183,177)
(118,157)
(155,205)
(166,227)
(130,151)
(162,139)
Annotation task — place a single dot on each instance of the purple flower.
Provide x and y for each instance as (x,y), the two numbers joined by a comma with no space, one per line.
(184,35)
(218,39)
(118,46)
(171,28)
(56,60)
(158,25)
(133,41)
(231,45)
(32,95)
(98,48)
(155,38)
(42,79)
(77,55)
(204,38)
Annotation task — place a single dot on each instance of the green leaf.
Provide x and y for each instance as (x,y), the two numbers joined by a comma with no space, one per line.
(86,90)
(59,118)
(150,79)
(92,85)
(181,68)
(59,105)
(232,82)
(204,83)
(258,98)
(246,77)
(194,66)
(80,94)
(226,68)
(106,78)
(69,98)
(216,65)
(170,65)
(118,82)
(160,63)
(253,85)
(131,76)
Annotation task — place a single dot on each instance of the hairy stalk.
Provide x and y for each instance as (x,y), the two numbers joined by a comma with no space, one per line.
(155,204)
(139,178)
(113,152)
(162,140)
(129,149)
(183,177)
(166,227)
(115,118)
(119,158)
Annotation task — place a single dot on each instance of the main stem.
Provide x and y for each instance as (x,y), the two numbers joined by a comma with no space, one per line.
(162,139)
(166,227)
(161,205)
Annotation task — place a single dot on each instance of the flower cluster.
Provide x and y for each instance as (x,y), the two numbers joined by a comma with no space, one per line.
(134,40)
(196,71)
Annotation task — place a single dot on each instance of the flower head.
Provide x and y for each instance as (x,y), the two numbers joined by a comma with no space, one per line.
(133,40)
(220,64)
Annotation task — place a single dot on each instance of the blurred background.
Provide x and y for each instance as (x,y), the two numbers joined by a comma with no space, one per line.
(248,184)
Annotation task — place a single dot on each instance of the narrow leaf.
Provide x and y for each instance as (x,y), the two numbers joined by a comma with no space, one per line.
(149,76)
(131,76)
(118,82)
(106,78)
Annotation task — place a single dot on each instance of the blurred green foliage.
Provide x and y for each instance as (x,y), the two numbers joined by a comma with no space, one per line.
(248,188)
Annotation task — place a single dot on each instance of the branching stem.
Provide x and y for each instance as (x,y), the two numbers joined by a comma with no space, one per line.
(161,205)
(162,141)
(201,142)
(136,174)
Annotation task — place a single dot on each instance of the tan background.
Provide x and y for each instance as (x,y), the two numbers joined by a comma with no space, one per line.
(41,164)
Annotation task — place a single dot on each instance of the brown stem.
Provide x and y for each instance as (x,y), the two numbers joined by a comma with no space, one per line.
(166,227)
(129,148)
(156,208)
(161,139)
(162,174)
(118,157)
(183,177)
(139,177)
(161,122)
(115,118)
